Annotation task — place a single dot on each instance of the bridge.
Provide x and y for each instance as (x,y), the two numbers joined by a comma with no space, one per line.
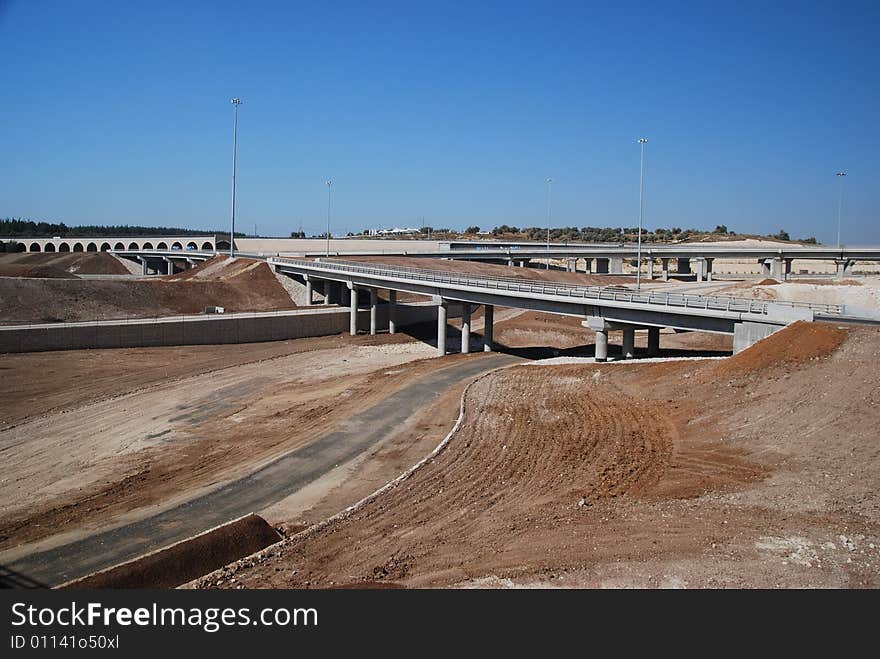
(603,308)
(124,243)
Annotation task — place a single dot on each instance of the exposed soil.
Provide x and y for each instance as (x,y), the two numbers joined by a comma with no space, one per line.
(660,474)
(244,285)
(493,270)
(60,266)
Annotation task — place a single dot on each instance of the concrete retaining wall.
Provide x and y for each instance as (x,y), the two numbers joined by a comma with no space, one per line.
(199,330)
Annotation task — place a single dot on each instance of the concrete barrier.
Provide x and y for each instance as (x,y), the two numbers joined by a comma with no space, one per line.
(200,330)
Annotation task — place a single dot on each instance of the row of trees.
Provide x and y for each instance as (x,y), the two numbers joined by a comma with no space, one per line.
(18,228)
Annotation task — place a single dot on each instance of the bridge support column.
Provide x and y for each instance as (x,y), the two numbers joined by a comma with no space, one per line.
(627,348)
(465,328)
(653,341)
(328,289)
(509,263)
(601,345)
(684,266)
(145,268)
(664,267)
(488,327)
(308,290)
(699,263)
(353,310)
(709,269)
(787,271)
(616,265)
(777,268)
(765,267)
(522,264)
(374,305)
(169,267)
(392,311)
(844,267)
(441,328)
(747,333)
(649,272)
(601,266)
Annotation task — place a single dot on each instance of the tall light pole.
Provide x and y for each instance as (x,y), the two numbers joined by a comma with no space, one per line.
(841,175)
(549,209)
(329,187)
(235,103)
(642,142)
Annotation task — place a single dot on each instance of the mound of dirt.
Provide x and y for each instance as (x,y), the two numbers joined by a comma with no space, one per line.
(493,270)
(796,344)
(249,286)
(767,282)
(188,559)
(64,265)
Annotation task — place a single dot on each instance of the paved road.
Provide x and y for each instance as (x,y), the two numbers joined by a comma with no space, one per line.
(275,481)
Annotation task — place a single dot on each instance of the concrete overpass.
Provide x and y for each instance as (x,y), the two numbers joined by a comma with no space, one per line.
(603,308)
(125,243)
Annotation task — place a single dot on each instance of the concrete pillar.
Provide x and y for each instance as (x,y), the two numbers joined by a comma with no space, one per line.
(522,264)
(308,291)
(588,265)
(392,312)
(602,266)
(328,288)
(353,311)
(650,271)
(509,263)
(787,269)
(684,266)
(709,269)
(844,267)
(374,305)
(653,341)
(488,327)
(765,267)
(441,328)
(777,269)
(699,264)
(616,265)
(629,341)
(601,345)
(145,270)
(664,266)
(466,329)
(169,267)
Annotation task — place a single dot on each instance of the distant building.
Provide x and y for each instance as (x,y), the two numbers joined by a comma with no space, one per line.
(396,231)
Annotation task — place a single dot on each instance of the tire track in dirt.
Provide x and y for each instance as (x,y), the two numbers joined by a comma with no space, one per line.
(533,448)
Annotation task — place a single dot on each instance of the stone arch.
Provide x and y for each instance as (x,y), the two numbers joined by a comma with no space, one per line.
(162,246)
(148,245)
(49,247)
(77,247)
(105,247)
(191,245)
(91,247)
(133,246)
(64,247)
(35,247)
(176,245)
(207,247)
(119,246)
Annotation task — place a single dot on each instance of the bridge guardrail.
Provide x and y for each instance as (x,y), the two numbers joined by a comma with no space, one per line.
(615,294)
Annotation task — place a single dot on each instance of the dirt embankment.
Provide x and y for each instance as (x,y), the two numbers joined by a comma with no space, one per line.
(493,270)
(765,475)
(60,266)
(243,285)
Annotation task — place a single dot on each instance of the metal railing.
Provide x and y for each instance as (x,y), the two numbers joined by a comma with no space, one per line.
(610,293)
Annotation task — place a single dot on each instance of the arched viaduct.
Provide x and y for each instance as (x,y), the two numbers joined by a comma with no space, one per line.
(106,244)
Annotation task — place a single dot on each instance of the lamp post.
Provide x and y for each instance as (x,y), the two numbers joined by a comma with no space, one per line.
(329,187)
(642,142)
(235,103)
(549,209)
(841,175)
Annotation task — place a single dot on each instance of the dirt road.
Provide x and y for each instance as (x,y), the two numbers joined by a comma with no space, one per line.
(270,484)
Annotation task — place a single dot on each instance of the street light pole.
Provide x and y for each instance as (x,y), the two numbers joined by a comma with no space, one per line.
(642,142)
(329,186)
(549,209)
(842,175)
(235,103)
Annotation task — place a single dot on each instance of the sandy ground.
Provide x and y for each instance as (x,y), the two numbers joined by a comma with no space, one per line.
(237,285)
(862,293)
(764,475)
(63,266)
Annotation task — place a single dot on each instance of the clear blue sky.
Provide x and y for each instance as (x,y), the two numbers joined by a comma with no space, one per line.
(458,112)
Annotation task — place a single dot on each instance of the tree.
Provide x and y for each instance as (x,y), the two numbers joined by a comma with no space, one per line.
(721,228)
(297,234)
(782,235)
(472,230)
